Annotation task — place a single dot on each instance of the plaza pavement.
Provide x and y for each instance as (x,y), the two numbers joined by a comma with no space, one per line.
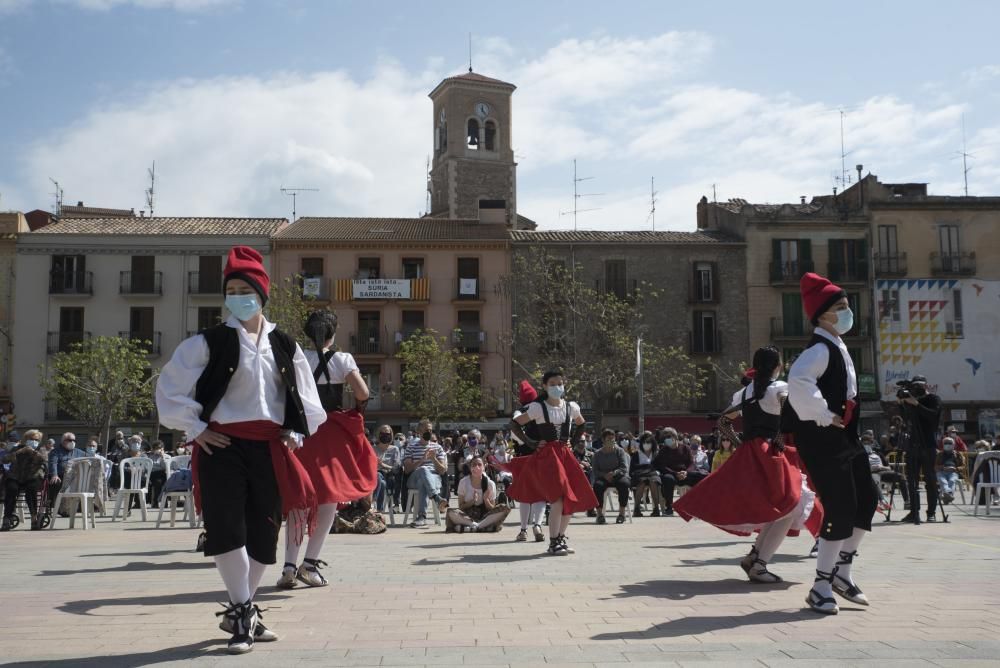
(659,592)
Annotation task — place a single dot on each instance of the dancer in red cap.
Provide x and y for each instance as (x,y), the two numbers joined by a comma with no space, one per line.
(531,513)
(340,461)
(245,389)
(551,473)
(758,488)
(822,413)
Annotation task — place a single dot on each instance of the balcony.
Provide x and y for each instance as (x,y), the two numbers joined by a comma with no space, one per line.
(403,335)
(150,341)
(467,289)
(785,273)
(789,329)
(79,283)
(314,287)
(200,284)
(699,294)
(62,342)
(850,272)
(890,264)
(366,345)
(469,340)
(140,283)
(706,344)
(953,264)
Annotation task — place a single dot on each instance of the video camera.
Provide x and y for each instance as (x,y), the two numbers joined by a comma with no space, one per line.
(911,388)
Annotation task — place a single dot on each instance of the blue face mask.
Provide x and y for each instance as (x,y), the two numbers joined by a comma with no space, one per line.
(556,391)
(845,321)
(669,442)
(243,307)
(32,444)
(91,451)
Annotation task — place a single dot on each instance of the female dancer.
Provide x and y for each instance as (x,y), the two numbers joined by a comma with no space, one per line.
(247,392)
(758,489)
(552,473)
(340,461)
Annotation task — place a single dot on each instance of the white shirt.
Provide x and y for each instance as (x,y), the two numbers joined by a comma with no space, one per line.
(769,403)
(340,365)
(557,414)
(256,391)
(467,492)
(803,392)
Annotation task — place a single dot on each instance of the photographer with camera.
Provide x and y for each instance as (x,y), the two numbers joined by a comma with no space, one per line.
(922,414)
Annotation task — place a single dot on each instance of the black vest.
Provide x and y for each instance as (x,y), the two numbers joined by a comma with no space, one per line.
(223,358)
(331,395)
(547,431)
(833,386)
(758,423)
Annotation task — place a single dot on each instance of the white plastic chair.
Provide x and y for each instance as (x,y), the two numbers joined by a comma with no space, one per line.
(411,502)
(139,469)
(78,492)
(178,463)
(608,503)
(986,488)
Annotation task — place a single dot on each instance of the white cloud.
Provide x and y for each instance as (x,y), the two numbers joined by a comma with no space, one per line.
(178,5)
(980,75)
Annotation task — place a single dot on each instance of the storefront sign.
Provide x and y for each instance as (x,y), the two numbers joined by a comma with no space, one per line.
(381,288)
(867,384)
(959,415)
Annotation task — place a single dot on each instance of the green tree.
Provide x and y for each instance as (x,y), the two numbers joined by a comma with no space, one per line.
(101,381)
(440,382)
(591,336)
(288,308)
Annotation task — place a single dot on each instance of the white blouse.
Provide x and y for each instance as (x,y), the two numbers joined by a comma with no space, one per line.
(557,414)
(770,402)
(340,365)
(256,391)
(804,394)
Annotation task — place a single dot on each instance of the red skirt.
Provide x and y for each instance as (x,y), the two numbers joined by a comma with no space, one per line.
(753,488)
(549,474)
(340,461)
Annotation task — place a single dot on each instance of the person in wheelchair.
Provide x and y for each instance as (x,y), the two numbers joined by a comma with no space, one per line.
(26,474)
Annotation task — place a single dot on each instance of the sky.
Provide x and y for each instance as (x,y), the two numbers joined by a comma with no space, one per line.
(234,99)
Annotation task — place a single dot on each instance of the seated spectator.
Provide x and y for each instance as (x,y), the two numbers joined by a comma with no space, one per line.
(58,460)
(610,466)
(477,503)
(700,463)
(134,450)
(880,472)
(673,462)
(724,452)
(25,475)
(644,477)
(952,433)
(158,476)
(947,464)
(426,463)
(389,466)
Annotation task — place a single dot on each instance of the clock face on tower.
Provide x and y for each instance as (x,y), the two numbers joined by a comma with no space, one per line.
(482,109)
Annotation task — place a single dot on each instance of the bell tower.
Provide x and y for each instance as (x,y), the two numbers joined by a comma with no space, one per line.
(473,173)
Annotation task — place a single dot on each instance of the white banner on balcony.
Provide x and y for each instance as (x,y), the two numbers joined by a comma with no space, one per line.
(381,288)
(467,286)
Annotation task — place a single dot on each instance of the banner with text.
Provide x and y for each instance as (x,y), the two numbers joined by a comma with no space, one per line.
(382,288)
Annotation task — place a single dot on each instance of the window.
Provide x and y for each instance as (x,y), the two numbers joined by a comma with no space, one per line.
(469,335)
(472,135)
(887,241)
(948,240)
(468,278)
(848,260)
(491,135)
(709,399)
(311,267)
(69,274)
(209,274)
(369,267)
(369,326)
(705,338)
(790,259)
(141,322)
(857,358)
(704,282)
(792,317)
(954,328)
(889,305)
(413,267)
(615,278)
(372,375)
(70,329)
(209,316)
(854,302)
(412,321)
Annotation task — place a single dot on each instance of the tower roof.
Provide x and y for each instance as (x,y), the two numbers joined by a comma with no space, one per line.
(473,78)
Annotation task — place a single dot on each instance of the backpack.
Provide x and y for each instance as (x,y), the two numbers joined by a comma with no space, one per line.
(179,481)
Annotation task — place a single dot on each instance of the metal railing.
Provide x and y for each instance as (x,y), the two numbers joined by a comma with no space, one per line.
(140,283)
(789,329)
(366,345)
(150,340)
(890,264)
(790,272)
(204,284)
(61,342)
(707,343)
(71,283)
(848,272)
(469,340)
(953,264)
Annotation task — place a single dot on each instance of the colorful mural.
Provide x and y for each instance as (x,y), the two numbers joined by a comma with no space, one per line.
(947,330)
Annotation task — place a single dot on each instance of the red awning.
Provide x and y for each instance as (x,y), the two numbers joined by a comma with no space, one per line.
(691,424)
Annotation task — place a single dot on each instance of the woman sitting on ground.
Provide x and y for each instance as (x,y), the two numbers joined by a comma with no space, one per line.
(477,503)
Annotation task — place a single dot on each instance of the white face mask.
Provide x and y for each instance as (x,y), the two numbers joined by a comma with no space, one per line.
(647,446)
(556,391)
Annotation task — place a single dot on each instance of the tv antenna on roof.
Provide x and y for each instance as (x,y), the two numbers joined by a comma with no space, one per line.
(151,190)
(58,194)
(293,193)
(577,195)
(470,51)
(965,159)
(652,201)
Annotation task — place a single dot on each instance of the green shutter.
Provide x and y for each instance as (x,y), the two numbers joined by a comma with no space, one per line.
(791,314)
(805,256)
(775,260)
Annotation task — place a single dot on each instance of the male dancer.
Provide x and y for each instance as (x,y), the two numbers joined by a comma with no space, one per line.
(823,415)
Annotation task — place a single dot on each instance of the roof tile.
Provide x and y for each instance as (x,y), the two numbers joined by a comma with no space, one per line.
(166,226)
(392,229)
(620,237)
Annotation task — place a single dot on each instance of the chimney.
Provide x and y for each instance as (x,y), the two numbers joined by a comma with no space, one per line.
(80,204)
(142,214)
(802,199)
(702,213)
(859,168)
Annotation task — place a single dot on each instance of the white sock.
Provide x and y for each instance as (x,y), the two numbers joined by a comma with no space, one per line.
(555,519)
(324,522)
(537,510)
(850,545)
(234,567)
(772,535)
(564,524)
(525,511)
(826,561)
(256,573)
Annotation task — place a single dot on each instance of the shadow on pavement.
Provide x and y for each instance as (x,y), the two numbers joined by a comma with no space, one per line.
(696,625)
(181,653)
(132,566)
(735,561)
(86,607)
(151,553)
(480,559)
(683,590)
(697,546)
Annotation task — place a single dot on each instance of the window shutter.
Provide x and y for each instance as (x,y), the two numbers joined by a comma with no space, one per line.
(715,282)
